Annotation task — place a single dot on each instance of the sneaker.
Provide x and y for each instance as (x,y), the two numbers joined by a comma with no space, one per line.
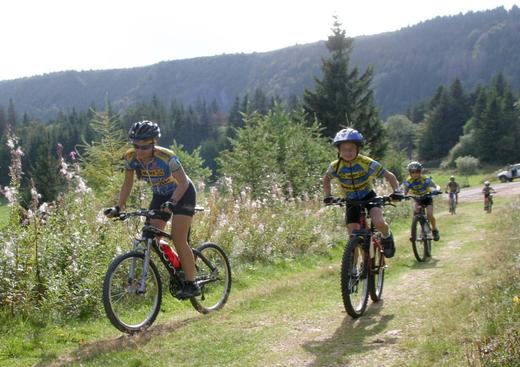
(388,246)
(436,235)
(189,290)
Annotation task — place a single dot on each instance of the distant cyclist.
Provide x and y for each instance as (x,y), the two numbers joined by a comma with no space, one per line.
(355,173)
(419,185)
(454,188)
(487,190)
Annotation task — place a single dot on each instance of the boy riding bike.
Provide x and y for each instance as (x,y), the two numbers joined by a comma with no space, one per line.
(173,193)
(355,173)
(453,187)
(487,190)
(419,185)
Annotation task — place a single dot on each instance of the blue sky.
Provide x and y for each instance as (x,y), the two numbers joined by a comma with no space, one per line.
(38,37)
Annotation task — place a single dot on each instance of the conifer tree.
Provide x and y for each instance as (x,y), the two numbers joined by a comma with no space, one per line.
(343,97)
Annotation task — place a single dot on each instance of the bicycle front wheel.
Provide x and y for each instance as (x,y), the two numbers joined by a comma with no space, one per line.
(128,307)
(419,239)
(377,274)
(213,277)
(354,278)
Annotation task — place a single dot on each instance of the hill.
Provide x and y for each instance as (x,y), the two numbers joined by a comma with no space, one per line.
(409,66)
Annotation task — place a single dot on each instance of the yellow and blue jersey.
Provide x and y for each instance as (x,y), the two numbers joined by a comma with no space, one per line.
(420,186)
(356,176)
(158,173)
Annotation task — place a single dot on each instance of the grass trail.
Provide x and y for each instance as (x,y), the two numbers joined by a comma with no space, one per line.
(298,319)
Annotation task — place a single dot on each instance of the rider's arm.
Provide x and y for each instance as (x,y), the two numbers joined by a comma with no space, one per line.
(392,180)
(126,188)
(326,186)
(182,185)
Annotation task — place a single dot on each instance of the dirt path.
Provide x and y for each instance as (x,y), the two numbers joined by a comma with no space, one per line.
(503,189)
(381,337)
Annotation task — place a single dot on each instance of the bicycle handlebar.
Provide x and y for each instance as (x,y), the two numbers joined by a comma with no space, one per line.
(378,200)
(147,213)
(420,197)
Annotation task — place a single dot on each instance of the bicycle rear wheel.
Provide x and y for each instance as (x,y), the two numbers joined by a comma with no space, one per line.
(418,239)
(213,277)
(127,309)
(354,278)
(377,274)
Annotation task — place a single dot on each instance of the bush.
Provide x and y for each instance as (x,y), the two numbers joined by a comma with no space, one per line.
(467,165)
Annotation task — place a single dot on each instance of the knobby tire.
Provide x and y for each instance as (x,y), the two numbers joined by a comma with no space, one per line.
(127,310)
(354,278)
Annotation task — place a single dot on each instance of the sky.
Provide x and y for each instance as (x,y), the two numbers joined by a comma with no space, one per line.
(44,36)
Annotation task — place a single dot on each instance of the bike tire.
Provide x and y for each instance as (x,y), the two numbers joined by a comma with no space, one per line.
(354,278)
(127,310)
(419,250)
(213,276)
(377,275)
(427,239)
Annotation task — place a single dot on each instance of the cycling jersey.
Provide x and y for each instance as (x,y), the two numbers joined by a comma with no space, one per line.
(487,190)
(158,172)
(452,186)
(419,186)
(356,176)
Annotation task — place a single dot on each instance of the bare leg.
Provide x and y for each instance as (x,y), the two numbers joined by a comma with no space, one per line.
(180,227)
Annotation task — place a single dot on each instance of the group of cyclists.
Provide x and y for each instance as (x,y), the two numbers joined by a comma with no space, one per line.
(355,174)
(174,194)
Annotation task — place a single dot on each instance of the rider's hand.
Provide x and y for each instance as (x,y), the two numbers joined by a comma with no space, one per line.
(328,200)
(168,206)
(436,192)
(112,212)
(397,195)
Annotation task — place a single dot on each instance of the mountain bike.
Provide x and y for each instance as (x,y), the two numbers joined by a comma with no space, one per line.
(452,203)
(363,263)
(132,288)
(488,202)
(421,234)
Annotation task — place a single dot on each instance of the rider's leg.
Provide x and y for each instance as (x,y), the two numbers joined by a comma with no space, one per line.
(180,228)
(431,218)
(379,221)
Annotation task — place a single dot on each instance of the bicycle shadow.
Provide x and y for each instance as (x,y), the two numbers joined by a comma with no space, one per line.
(91,350)
(429,264)
(351,338)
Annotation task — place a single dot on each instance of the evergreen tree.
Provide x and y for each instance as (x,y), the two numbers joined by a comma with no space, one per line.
(45,171)
(343,97)
(11,114)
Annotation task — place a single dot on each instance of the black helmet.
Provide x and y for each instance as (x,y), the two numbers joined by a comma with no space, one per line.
(144,130)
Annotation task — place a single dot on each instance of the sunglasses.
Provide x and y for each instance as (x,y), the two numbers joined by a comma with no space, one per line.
(143,147)
(415,171)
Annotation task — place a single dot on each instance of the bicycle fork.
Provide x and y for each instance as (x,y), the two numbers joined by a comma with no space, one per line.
(146,264)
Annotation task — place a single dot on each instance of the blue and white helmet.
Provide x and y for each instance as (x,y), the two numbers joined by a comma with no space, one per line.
(348,134)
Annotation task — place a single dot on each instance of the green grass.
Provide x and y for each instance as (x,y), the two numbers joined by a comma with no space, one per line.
(4,214)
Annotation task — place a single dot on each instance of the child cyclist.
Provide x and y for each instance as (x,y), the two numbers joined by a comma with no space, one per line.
(355,173)
(453,187)
(419,185)
(487,190)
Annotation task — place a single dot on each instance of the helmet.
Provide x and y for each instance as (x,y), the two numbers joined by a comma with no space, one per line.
(348,134)
(144,130)
(486,183)
(452,178)
(414,166)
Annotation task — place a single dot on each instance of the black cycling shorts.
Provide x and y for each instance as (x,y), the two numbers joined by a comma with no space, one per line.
(425,201)
(185,206)
(353,212)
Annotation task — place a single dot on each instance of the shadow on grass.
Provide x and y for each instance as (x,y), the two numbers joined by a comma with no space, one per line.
(91,350)
(429,264)
(351,338)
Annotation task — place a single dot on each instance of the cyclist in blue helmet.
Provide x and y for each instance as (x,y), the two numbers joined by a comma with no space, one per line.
(174,194)
(356,173)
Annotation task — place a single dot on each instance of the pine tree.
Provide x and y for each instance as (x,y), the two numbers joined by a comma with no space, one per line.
(343,97)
